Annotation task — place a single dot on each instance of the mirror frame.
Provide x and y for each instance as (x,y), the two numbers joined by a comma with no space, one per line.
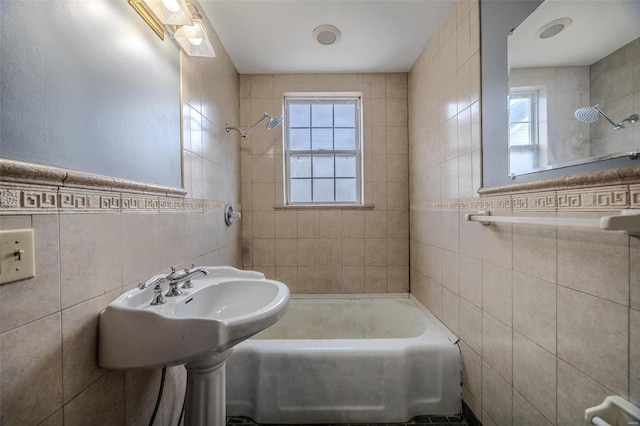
(497,19)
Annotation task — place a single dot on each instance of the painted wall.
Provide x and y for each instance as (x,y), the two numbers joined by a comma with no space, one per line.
(340,250)
(55,112)
(549,318)
(87,256)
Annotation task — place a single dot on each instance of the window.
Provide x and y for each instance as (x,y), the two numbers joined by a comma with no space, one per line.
(523,131)
(323,149)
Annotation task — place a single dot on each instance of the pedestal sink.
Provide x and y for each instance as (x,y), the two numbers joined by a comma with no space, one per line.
(197,328)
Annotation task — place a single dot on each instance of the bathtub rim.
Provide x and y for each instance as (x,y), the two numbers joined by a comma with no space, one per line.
(448,334)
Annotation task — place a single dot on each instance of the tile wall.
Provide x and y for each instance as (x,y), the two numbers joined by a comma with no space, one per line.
(86,257)
(328,250)
(548,317)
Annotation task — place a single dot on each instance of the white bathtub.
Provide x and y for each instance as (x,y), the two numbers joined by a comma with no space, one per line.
(339,360)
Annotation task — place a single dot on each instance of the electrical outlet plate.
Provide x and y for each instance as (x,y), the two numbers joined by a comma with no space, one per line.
(17,257)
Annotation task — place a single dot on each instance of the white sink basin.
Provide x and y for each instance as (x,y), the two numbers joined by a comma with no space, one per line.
(224,308)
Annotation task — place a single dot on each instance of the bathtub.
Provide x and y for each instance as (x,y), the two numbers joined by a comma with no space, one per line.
(346,360)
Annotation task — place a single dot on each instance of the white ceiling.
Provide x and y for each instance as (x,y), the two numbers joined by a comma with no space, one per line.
(275,36)
(598,28)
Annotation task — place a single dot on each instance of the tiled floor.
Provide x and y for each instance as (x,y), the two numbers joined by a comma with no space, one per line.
(416,421)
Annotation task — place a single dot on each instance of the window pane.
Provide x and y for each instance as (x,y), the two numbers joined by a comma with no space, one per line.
(323,190)
(300,190)
(300,166)
(520,134)
(299,115)
(346,166)
(322,115)
(299,139)
(322,139)
(344,115)
(519,109)
(345,138)
(346,190)
(323,166)
(522,160)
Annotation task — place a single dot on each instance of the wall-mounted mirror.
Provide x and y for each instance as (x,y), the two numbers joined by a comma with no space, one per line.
(571,84)
(548,140)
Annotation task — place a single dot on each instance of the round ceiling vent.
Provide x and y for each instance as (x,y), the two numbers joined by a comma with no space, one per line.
(553,28)
(327,35)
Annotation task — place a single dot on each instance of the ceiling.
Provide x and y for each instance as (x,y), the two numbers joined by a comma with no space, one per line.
(275,36)
(597,29)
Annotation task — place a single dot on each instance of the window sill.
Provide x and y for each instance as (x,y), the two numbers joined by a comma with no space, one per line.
(324,207)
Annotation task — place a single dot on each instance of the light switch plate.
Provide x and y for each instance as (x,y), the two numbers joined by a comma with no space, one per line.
(17,257)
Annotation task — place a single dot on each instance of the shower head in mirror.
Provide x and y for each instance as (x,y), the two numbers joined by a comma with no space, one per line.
(591,115)
(274,122)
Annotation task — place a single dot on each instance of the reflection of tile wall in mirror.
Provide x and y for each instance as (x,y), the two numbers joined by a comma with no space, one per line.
(582,66)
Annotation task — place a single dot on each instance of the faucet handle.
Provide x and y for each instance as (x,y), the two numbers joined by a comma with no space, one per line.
(150,282)
(157,295)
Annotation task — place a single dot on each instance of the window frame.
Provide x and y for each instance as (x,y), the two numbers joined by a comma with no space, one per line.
(314,97)
(532,95)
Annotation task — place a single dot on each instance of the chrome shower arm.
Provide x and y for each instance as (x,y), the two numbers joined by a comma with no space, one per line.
(248,132)
(256,124)
(615,125)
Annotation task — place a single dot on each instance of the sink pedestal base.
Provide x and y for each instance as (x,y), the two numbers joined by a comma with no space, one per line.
(206,393)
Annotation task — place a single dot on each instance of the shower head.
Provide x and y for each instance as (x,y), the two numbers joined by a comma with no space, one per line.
(274,121)
(591,115)
(587,114)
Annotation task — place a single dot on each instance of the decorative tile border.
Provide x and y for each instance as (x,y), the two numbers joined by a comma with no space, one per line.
(603,198)
(34,189)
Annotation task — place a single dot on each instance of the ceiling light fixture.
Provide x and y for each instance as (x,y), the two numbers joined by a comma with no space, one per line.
(327,35)
(553,28)
(193,39)
(187,27)
(158,13)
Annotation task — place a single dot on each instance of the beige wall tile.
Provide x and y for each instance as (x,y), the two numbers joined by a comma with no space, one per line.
(497,397)
(353,252)
(397,252)
(497,292)
(497,346)
(263,224)
(286,224)
(471,371)
(286,252)
(27,300)
(451,231)
(331,224)
(572,403)
(396,112)
(451,271)
(31,372)
(434,263)
(83,261)
(375,251)
(263,196)
(375,224)
(141,391)
(308,252)
(634,357)
(470,237)
(534,249)
(471,280)
(330,252)
(308,224)
(102,403)
(396,85)
(534,375)
(289,276)
(80,352)
(375,279)
(497,244)
(451,310)
(353,279)
(397,279)
(471,326)
(594,262)
(635,273)
(534,310)
(307,279)
(434,297)
(264,252)
(590,330)
(525,414)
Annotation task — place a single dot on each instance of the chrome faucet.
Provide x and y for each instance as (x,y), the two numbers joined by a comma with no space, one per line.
(174,278)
